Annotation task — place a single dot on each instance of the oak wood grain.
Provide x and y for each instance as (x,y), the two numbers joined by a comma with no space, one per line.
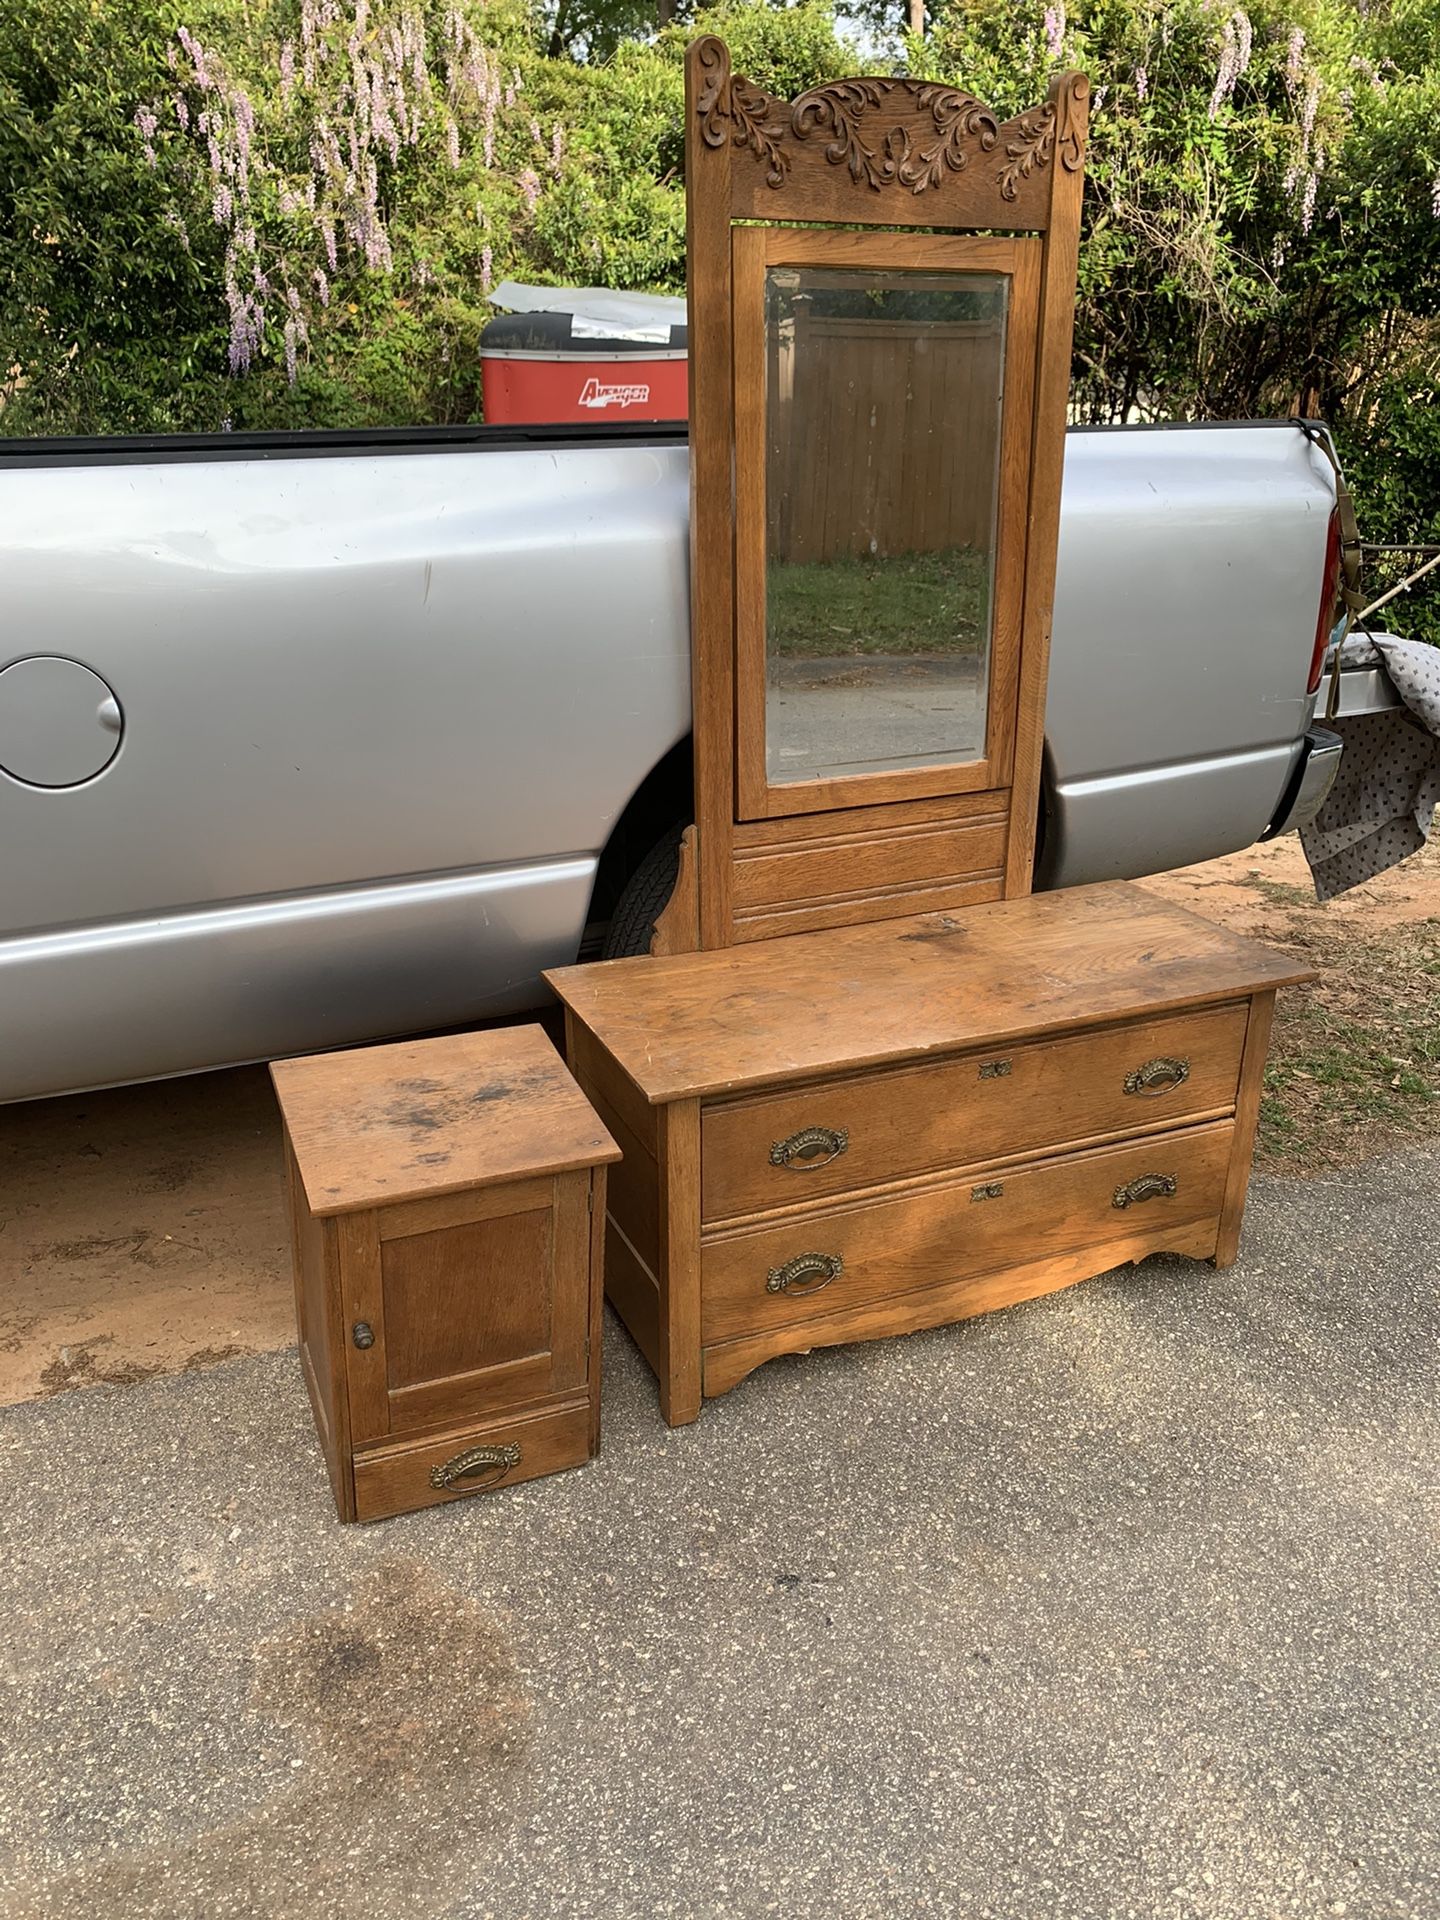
(321,1333)
(866,159)
(818,1004)
(1247,1116)
(966,1109)
(395,1480)
(898,1243)
(726,1364)
(438,1314)
(423,1117)
(679,1274)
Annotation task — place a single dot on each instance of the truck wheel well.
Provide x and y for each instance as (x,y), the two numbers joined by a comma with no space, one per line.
(664,799)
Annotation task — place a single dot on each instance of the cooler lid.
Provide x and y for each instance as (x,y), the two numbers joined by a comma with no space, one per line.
(574,319)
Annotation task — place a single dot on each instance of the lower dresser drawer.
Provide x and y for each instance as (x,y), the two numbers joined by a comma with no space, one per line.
(424,1473)
(783,1149)
(827,1259)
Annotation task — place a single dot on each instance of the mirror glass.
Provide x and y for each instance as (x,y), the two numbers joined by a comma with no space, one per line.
(882,431)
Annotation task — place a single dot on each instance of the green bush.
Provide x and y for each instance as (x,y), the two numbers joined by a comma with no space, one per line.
(1262,223)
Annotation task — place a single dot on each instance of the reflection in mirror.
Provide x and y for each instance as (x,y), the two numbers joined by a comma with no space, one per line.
(882,434)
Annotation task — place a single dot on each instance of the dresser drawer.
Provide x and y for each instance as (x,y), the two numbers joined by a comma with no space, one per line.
(779,1149)
(391,1479)
(822,1261)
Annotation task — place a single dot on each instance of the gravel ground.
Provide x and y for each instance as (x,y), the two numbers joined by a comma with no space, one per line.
(1122,1603)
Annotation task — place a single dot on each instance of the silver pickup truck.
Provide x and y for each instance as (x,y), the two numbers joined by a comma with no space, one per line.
(313,739)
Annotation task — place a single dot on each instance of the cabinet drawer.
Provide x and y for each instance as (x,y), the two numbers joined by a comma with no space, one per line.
(392,1480)
(822,1261)
(780,1149)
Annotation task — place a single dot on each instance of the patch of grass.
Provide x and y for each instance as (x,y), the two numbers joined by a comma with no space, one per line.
(1355,1061)
(905,603)
(1281,892)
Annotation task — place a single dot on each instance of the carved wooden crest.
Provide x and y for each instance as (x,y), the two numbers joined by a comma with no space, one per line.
(909,137)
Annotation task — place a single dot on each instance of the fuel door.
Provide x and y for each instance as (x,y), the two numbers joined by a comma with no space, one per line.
(60,724)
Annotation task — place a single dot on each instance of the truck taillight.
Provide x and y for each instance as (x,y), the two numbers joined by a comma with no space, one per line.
(1329,600)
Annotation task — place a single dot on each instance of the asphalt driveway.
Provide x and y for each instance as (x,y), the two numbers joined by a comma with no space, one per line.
(1125,1602)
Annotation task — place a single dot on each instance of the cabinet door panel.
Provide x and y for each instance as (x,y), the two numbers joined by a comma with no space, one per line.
(470,1316)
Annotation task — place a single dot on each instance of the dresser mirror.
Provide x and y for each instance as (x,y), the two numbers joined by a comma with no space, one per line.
(878,567)
(881,290)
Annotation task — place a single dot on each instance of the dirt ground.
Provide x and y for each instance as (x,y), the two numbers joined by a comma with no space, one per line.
(143,1230)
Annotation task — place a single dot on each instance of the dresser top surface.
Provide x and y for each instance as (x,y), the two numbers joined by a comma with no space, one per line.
(376,1125)
(708,1023)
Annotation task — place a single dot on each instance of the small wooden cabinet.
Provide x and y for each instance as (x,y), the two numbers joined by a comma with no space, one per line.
(446,1204)
(840,1136)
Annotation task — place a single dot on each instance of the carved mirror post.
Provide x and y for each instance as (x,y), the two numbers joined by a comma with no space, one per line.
(881,294)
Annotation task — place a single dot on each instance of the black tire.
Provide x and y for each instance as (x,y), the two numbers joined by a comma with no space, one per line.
(643,898)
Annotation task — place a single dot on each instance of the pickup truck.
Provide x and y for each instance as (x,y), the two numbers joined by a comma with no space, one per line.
(314,739)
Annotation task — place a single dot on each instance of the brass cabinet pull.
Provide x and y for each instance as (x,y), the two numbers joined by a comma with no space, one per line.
(992,1190)
(485,1464)
(995,1070)
(363,1334)
(819,1269)
(811,1147)
(1158,1075)
(1147,1187)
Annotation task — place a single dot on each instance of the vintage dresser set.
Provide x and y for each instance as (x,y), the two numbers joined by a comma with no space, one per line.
(864,1082)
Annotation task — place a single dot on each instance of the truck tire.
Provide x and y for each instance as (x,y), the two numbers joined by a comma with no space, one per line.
(643,898)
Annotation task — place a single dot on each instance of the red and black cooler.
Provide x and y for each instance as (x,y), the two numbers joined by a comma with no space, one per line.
(539,367)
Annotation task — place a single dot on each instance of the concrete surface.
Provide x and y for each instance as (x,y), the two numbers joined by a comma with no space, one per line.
(1123,1603)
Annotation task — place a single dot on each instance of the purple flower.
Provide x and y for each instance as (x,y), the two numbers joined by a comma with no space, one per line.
(322,286)
(1294,55)
(1308,110)
(487,263)
(1435,196)
(287,69)
(222,205)
(557,147)
(203,78)
(182,112)
(529,185)
(1055,28)
(145,123)
(1142,83)
(1235,44)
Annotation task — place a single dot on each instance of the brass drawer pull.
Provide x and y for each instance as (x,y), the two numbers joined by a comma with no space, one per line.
(817,1268)
(363,1334)
(488,1464)
(811,1147)
(1158,1076)
(1147,1187)
(991,1190)
(995,1070)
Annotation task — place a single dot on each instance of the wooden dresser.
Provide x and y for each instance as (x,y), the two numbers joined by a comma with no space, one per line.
(843,1135)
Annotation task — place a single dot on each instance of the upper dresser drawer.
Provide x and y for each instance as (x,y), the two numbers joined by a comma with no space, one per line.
(837,1136)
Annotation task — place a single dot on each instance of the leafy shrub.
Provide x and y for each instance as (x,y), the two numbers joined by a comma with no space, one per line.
(289,212)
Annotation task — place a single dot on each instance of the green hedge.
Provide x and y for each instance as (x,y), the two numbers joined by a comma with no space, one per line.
(1262,221)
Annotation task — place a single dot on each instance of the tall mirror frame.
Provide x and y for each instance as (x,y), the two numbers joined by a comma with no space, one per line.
(898,222)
